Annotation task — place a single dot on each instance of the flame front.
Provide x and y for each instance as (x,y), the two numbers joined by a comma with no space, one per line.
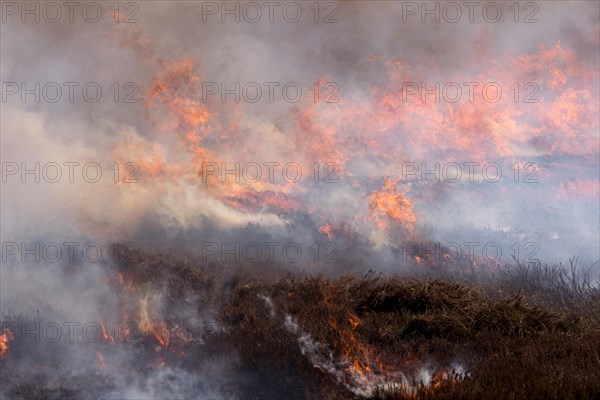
(364,136)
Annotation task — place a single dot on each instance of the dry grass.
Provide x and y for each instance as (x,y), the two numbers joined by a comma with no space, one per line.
(519,332)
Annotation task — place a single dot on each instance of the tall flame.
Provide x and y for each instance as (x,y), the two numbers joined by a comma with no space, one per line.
(390,206)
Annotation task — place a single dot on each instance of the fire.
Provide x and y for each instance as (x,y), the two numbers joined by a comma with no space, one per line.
(382,127)
(144,308)
(361,365)
(328,230)
(353,320)
(149,324)
(355,353)
(363,369)
(126,285)
(442,378)
(317,133)
(251,201)
(106,334)
(4,339)
(388,205)
(141,320)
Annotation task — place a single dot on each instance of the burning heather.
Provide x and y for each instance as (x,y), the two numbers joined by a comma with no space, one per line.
(303,200)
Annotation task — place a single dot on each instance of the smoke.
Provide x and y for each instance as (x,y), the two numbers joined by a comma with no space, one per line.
(172,135)
(162,171)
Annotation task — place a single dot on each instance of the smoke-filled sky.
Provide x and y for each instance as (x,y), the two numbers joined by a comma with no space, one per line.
(363,124)
(485,91)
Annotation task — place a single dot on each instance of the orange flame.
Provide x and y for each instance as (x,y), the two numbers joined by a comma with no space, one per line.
(361,364)
(328,230)
(4,338)
(389,205)
(106,334)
